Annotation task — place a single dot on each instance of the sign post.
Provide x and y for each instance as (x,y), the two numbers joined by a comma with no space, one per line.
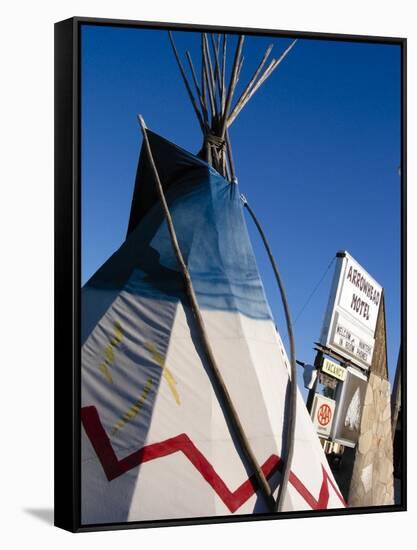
(317,363)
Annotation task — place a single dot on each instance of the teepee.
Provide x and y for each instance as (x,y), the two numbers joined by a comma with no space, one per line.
(184,375)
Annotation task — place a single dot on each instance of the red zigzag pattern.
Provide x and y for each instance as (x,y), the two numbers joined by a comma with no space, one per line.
(113,467)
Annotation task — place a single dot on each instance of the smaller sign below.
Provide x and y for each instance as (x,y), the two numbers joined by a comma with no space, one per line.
(322,414)
(333,369)
(350,398)
(349,340)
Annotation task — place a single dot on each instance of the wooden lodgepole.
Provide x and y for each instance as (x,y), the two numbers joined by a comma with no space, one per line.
(288,453)
(227,402)
(253,86)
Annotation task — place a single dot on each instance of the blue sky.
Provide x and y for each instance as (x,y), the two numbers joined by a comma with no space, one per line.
(317,152)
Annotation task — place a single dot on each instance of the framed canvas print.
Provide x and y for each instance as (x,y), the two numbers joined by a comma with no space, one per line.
(230,282)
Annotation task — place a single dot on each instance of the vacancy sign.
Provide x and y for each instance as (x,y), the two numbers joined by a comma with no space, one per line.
(333,369)
(352,312)
(322,414)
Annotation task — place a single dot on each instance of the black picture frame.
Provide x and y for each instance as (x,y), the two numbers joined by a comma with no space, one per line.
(68,280)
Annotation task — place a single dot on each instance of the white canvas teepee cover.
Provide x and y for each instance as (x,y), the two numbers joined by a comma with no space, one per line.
(155,440)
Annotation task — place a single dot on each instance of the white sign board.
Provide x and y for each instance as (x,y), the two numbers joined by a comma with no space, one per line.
(352,312)
(322,413)
(350,398)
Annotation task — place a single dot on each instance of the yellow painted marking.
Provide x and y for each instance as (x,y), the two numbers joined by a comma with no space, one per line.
(108,352)
(135,408)
(104,367)
(171,383)
(156,356)
(167,374)
(118,334)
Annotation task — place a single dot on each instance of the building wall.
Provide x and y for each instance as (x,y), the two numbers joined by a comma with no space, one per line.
(372,481)
(379,358)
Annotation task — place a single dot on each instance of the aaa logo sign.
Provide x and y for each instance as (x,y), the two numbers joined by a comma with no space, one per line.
(324,415)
